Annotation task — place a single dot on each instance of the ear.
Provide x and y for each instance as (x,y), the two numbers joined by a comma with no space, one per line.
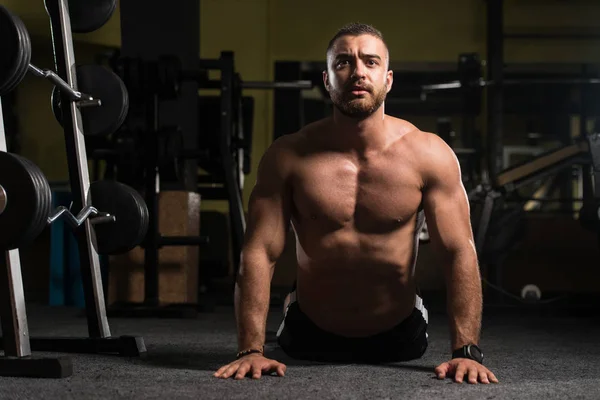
(326,80)
(389,79)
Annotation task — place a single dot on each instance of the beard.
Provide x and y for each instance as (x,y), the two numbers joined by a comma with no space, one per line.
(358,107)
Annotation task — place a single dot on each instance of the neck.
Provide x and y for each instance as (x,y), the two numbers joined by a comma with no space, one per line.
(360,135)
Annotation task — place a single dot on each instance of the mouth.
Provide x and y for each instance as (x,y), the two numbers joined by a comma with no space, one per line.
(358,91)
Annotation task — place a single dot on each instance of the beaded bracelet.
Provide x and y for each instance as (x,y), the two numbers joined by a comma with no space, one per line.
(249,351)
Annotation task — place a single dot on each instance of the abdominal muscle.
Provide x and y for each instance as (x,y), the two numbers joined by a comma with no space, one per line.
(356,286)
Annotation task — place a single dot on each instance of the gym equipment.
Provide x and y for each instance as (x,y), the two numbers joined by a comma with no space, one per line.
(102,84)
(98,118)
(25,207)
(99,338)
(131,214)
(25,201)
(470,78)
(168,73)
(16,51)
(589,215)
(90,15)
(497,227)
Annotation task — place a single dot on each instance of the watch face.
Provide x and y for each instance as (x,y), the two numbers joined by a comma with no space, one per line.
(475,352)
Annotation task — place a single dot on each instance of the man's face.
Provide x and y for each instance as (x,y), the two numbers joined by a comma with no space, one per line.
(357,76)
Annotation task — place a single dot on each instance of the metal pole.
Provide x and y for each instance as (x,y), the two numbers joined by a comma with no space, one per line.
(495,72)
(78,168)
(151,253)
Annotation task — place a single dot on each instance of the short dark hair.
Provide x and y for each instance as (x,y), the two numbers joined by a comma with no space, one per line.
(356,29)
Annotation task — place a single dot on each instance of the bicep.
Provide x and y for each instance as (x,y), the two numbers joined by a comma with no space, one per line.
(268,210)
(446,204)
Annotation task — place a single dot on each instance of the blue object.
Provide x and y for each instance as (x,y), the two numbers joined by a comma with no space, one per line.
(66,287)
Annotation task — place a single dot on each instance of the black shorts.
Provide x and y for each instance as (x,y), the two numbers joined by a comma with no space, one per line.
(300,338)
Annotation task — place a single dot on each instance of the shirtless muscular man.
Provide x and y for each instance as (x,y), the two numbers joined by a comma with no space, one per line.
(356,187)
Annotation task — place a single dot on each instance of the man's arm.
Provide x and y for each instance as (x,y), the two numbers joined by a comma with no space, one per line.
(448,219)
(267,225)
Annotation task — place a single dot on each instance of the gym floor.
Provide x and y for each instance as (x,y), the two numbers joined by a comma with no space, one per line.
(534,355)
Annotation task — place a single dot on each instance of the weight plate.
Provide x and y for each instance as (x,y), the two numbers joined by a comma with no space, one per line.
(14,48)
(20,222)
(100,83)
(36,216)
(55,101)
(23,65)
(90,15)
(145,216)
(44,197)
(124,203)
(14,78)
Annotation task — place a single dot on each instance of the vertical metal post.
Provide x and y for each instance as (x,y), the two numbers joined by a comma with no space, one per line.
(236,209)
(151,253)
(78,169)
(495,73)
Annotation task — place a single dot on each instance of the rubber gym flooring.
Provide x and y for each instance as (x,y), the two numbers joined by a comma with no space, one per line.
(535,356)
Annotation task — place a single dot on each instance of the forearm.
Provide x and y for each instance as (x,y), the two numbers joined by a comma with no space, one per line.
(464,298)
(252,295)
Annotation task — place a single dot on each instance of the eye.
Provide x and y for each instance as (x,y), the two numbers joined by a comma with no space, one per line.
(341,63)
(372,62)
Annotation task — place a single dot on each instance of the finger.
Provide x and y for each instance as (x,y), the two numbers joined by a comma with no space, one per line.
(221,370)
(492,377)
(230,371)
(473,374)
(256,372)
(242,371)
(441,371)
(281,368)
(483,377)
(272,366)
(460,373)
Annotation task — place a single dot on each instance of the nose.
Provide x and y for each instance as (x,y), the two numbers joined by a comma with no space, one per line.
(359,70)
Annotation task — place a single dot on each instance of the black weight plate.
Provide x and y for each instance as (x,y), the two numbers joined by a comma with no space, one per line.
(55,100)
(121,201)
(103,84)
(20,218)
(11,82)
(36,218)
(145,215)
(44,197)
(90,15)
(12,45)
(23,65)
(10,49)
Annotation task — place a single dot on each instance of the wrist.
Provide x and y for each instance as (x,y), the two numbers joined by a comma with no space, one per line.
(250,350)
(470,351)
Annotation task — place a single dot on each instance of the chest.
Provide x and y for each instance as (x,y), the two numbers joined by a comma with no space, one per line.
(378,196)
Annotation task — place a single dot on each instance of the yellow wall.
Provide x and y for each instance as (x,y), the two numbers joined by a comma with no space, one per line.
(263,31)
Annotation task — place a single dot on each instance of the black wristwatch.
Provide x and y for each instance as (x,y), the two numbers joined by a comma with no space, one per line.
(471,351)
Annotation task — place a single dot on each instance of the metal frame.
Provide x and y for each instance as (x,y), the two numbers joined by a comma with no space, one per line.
(99,340)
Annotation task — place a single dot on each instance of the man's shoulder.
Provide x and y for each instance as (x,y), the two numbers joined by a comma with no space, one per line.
(421,141)
(298,141)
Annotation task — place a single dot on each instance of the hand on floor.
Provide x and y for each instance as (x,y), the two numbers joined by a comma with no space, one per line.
(460,368)
(255,364)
